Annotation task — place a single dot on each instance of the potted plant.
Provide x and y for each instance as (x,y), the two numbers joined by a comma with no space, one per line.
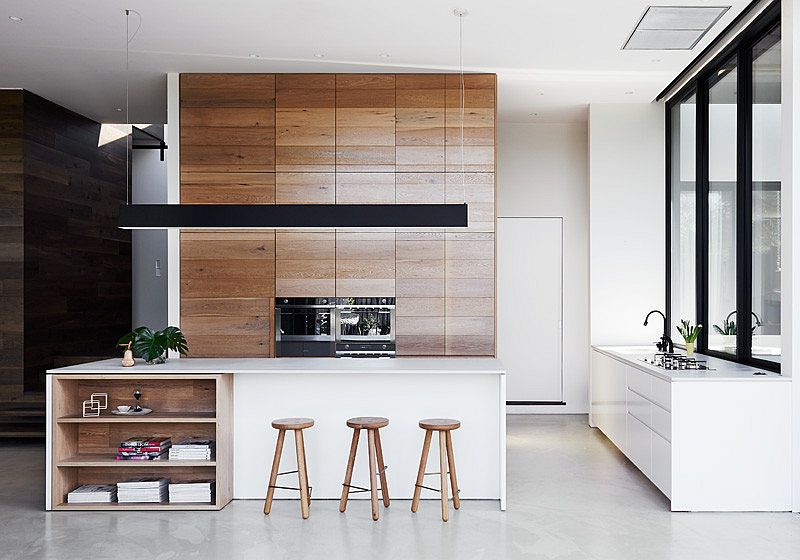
(689,334)
(152,345)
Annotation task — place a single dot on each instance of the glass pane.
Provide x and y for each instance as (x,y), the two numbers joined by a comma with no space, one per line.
(767,197)
(682,212)
(722,209)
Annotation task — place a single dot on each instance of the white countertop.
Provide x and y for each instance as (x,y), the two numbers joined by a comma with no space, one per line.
(404,365)
(722,370)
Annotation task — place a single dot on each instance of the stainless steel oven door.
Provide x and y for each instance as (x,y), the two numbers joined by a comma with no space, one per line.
(367,323)
(304,323)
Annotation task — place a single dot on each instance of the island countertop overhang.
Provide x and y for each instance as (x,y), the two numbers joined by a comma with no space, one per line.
(403,365)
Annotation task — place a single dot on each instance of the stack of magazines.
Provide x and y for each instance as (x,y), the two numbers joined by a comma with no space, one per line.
(192,449)
(143,448)
(137,490)
(195,491)
(93,493)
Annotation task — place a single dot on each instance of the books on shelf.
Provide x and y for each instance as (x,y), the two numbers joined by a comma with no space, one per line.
(139,490)
(192,449)
(192,492)
(93,493)
(143,448)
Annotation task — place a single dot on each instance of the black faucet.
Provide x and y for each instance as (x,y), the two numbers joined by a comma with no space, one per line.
(665,344)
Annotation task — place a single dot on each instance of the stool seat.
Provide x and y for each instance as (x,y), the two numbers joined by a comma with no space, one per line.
(368,422)
(439,424)
(292,423)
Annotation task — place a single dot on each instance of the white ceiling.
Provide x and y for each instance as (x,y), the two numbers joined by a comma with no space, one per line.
(552,57)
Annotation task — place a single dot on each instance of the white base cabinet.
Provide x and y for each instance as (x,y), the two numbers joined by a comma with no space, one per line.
(707,443)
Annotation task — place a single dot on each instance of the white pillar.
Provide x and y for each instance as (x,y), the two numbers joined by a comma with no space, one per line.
(790,235)
(172,133)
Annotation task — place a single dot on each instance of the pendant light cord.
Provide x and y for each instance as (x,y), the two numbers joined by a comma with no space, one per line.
(128,128)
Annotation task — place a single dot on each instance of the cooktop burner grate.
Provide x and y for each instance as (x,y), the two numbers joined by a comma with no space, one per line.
(677,362)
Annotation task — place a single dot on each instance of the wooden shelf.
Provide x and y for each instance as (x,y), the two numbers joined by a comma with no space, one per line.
(139,507)
(106,460)
(155,417)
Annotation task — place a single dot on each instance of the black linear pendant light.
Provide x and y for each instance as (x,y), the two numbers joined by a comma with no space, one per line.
(270,216)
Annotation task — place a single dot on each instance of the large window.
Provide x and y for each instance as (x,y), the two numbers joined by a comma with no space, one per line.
(724,192)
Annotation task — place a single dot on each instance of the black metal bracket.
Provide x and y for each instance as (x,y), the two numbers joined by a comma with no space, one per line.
(458,491)
(289,487)
(161,146)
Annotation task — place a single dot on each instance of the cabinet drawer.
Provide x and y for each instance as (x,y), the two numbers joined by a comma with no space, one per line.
(661,422)
(639,437)
(662,465)
(651,387)
(639,407)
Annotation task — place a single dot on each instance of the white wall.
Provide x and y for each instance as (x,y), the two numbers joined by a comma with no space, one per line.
(626,223)
(149,186)
(542,170)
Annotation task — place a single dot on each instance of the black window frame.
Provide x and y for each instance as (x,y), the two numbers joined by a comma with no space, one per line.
(739,48)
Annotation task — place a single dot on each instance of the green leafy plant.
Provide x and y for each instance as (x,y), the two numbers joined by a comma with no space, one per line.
(689,332)
(152,345)
(728,328)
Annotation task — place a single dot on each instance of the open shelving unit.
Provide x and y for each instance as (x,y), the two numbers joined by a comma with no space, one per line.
(83,450)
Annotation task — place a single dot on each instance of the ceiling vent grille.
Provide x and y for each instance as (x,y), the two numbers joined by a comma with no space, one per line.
(673,27)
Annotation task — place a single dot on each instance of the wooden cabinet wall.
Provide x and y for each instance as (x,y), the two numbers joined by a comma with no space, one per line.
(340,138)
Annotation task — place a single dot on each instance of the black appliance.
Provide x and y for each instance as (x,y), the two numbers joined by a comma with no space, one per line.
(304,327)
(365,327)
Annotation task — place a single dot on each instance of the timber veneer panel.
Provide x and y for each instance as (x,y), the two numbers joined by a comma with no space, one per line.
(420,319)
(365,264)
(305,263)
(420,122)
(305,122)
(365,123)
(227,292)
(305,188)
(479,122)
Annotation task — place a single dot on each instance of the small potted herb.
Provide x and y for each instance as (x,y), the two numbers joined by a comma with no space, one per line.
(152,345)
(689,334)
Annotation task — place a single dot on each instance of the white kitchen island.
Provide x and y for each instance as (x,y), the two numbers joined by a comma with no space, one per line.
(331,390)
(716,440)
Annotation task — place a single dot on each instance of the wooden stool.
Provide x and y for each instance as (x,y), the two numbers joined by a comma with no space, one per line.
(444,426)
(298,425)
(376,466)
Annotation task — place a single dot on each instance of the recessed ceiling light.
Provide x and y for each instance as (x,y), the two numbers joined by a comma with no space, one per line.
(319,55)
(254,55)
(384,55)
(534,114)
(15,19)
(460,12)
(540,93)
(629,92)
(118,109)
(656,60)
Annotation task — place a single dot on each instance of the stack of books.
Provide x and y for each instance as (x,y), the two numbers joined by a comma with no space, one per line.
(196,491)
(192,449)
(93,493)
(137,490)
(143,448)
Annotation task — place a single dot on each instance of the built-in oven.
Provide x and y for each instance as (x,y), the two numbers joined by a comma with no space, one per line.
(305,327)
(365,327)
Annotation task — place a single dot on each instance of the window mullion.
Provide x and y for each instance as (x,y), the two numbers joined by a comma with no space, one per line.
(744,206)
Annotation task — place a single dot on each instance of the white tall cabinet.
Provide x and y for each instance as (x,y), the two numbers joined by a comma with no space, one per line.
(530,308)
(709,441)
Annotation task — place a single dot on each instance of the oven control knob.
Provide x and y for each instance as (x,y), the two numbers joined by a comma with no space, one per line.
(286,301)
(347,346)
(383,300)
(383,346)
(324,301)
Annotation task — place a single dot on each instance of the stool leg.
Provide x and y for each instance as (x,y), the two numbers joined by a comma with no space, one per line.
(443,474)
(381,469)
(373,489)
(451,461)
(273,476)
(348,475)
(423,463)
(301,472)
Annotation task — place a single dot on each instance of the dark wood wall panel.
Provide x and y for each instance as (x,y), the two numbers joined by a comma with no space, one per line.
(77,283)
(353,138)
(12,241)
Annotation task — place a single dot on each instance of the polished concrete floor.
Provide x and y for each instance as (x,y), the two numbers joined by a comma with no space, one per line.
(572,496)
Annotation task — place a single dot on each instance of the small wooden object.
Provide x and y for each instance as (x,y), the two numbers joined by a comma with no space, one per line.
(127,357)
(377,468)
(297,425)
(447,463)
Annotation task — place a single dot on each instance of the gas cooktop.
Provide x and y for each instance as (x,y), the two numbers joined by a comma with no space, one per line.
(677,362)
